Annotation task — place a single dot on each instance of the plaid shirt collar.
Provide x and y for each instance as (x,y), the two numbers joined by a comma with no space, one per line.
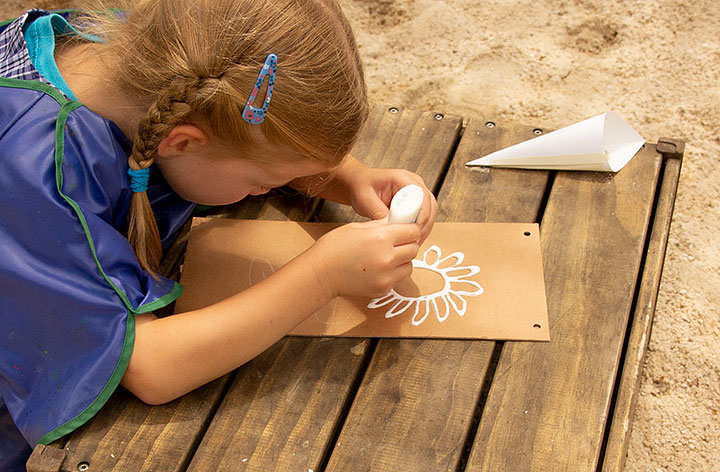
(15,60)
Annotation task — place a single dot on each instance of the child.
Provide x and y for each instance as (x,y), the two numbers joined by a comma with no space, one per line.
(110,131)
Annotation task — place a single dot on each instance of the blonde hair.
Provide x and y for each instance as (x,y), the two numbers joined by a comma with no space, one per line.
(196,61)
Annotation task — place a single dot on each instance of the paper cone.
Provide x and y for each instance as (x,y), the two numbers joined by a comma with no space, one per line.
(601,143)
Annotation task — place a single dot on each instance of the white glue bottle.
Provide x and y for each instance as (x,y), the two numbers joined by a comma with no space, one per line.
(405,205)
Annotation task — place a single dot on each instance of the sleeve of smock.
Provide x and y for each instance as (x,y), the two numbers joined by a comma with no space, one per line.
(70,282)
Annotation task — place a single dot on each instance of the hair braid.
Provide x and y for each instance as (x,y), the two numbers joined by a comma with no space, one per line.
(170,109)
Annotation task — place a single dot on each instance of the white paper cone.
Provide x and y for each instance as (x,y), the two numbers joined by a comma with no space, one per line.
(601,143)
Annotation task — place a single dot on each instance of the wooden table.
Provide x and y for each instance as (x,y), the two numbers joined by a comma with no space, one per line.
(405,404)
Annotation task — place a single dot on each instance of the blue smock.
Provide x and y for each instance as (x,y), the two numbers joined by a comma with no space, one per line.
(70,283)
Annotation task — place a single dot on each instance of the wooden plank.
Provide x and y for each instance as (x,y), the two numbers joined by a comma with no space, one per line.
(415,405)
(45,459)
(129,435)
(548,403)
(626,401)
(282,409)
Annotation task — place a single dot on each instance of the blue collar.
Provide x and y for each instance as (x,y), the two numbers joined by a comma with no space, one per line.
(40,39)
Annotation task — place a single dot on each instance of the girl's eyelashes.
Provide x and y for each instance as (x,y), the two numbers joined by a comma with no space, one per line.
(271,186)
(263,189)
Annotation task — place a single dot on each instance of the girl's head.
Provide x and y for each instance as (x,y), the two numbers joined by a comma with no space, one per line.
(195,62)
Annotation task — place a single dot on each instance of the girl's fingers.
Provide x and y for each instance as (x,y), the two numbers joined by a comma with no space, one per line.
(426,217)
(403,271)
(404,233)
(405,253)
(370,223)
(373,205)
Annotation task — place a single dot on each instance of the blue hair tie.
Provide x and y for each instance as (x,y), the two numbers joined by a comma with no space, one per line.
(139,179)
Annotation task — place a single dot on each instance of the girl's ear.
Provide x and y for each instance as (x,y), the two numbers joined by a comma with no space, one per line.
(182,139)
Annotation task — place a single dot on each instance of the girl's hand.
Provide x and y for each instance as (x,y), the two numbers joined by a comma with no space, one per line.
(371,191)
(363,259)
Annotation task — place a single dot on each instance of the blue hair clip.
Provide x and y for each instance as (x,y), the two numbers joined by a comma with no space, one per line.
(253,115)
(139,179)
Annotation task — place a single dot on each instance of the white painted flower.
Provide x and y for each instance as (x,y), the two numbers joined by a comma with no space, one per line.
(439,303)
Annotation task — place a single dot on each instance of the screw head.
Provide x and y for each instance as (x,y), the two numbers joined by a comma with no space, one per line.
(439,116)
(490,124)
(83,466)
(393,110)
(537,131)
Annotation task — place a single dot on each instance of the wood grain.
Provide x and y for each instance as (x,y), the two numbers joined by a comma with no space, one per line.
(548,404)
(631,376)
(46,459)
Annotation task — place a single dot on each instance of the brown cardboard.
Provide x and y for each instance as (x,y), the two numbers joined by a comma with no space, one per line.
(226,256)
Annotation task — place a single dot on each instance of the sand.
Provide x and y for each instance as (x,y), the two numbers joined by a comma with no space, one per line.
(555,62)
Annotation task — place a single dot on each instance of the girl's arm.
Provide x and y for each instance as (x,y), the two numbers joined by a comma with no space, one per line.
(370,190)
(179,353)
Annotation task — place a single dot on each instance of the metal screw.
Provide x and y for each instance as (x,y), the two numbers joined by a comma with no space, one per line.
(83,466)
(393,110)
(439,116)
(490,124)
(537,131)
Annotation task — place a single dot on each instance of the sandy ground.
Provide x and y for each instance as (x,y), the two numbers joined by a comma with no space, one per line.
(550,63)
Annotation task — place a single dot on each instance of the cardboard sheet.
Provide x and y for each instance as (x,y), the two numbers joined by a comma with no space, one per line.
(470,280)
